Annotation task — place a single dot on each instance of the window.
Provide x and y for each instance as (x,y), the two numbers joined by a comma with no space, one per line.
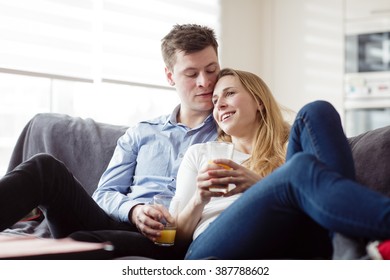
(79,57)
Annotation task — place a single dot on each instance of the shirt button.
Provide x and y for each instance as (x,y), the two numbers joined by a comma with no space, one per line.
(181,155)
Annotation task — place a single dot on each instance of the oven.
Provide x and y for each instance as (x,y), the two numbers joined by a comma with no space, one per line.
(366,113)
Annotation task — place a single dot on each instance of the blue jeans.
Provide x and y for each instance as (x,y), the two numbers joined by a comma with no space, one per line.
(291,213)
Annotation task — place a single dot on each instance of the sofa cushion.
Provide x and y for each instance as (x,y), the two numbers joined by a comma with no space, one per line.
(371,153)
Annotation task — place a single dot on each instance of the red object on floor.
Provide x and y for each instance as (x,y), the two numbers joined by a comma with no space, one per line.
(384,249)
(379,250)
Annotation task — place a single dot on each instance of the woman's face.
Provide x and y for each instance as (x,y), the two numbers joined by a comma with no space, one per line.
(235,110)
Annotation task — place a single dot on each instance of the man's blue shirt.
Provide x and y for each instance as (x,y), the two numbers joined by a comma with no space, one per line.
(145,162)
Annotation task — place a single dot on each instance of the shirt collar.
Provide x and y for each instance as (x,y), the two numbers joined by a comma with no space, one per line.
(172,119)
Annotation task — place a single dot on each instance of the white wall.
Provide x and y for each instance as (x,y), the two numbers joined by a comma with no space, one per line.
(296,46)
(244,24)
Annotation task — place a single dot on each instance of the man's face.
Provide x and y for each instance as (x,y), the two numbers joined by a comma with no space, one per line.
(194,76)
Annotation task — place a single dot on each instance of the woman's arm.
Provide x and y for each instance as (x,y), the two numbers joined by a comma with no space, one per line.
(188,220)
(192,191)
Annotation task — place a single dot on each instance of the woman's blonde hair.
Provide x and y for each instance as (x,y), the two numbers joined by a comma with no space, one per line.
(269,147)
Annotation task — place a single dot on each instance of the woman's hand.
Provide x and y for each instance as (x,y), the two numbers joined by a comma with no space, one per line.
(205,181)
(239,175)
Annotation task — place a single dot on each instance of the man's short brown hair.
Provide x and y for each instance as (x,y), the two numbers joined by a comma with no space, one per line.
(188,38)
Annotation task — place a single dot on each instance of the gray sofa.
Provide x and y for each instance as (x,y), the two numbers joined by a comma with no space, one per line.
(86,146)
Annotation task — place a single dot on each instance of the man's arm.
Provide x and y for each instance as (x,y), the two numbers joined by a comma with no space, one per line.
(136,172)
(118,180)
(114,185)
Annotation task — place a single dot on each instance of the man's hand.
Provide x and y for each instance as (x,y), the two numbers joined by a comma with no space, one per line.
(147,219)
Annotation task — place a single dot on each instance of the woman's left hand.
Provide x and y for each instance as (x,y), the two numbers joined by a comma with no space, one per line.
(239,175)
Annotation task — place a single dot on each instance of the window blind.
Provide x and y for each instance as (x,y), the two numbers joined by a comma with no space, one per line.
(94,40)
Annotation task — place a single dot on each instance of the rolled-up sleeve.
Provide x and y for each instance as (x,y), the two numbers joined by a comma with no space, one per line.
(115,182)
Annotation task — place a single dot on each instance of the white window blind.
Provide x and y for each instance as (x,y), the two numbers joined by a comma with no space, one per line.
(94,40)
(51,37)
(87,58)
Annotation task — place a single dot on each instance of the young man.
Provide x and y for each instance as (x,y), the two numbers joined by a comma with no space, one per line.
(150,154)
(145,161)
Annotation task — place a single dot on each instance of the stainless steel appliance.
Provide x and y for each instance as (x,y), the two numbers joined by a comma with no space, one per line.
(369,52)
(367,78)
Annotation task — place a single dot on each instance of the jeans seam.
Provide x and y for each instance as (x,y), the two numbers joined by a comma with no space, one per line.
(313,140)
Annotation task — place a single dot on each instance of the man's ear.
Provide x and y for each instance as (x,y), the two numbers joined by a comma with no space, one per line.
(169,75)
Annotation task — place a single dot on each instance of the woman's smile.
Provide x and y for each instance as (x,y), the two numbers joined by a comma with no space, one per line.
(226,116)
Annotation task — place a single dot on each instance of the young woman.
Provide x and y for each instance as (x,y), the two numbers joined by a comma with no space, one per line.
(276,210)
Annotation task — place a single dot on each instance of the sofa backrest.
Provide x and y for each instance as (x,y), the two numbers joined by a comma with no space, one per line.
(86,147)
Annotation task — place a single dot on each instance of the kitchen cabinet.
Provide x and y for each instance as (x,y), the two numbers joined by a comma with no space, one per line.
(362,9)
(363,16)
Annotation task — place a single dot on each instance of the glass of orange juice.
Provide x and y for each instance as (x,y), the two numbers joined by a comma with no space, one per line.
(171,205)
(219,150)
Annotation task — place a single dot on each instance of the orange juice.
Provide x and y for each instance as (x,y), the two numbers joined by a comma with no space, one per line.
(167,237)
(221,164)
(213,189)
